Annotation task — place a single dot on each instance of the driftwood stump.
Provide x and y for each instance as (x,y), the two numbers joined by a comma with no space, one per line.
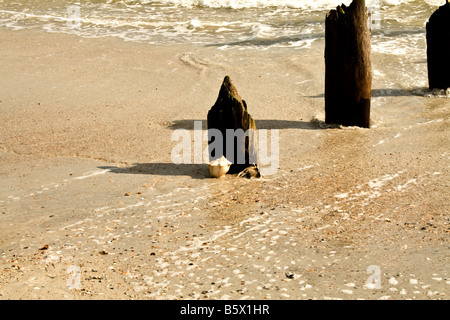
(231,129)
(348,75)
(438,48)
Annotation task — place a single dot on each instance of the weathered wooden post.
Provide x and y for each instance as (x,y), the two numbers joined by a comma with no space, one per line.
(438,48)
(348,75)
(231,129)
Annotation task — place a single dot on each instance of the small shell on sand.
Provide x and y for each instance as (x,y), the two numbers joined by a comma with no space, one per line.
(219,167)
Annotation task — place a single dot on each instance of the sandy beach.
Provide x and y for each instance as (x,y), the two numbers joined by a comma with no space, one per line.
(92,207)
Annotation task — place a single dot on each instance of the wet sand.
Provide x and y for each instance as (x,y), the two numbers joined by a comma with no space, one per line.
(92,207)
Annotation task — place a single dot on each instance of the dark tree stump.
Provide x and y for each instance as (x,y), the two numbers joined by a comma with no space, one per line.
(438,48)
(348,75)
(230,118)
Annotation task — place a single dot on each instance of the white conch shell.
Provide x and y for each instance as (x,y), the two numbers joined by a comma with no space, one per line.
(219,167)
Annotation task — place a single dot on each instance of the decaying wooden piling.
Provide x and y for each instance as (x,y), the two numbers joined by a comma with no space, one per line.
(230,118)
(438,48)
(348,76)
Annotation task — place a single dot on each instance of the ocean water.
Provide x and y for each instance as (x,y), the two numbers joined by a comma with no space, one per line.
(398,26)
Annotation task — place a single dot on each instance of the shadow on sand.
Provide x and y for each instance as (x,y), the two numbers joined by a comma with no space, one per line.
(195,171)
(392,93)
(260,124)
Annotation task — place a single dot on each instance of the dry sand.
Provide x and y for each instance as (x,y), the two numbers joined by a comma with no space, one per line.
(90,198)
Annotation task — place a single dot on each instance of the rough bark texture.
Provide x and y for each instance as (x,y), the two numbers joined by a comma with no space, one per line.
(438,48)
(348,75)
(230,112)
